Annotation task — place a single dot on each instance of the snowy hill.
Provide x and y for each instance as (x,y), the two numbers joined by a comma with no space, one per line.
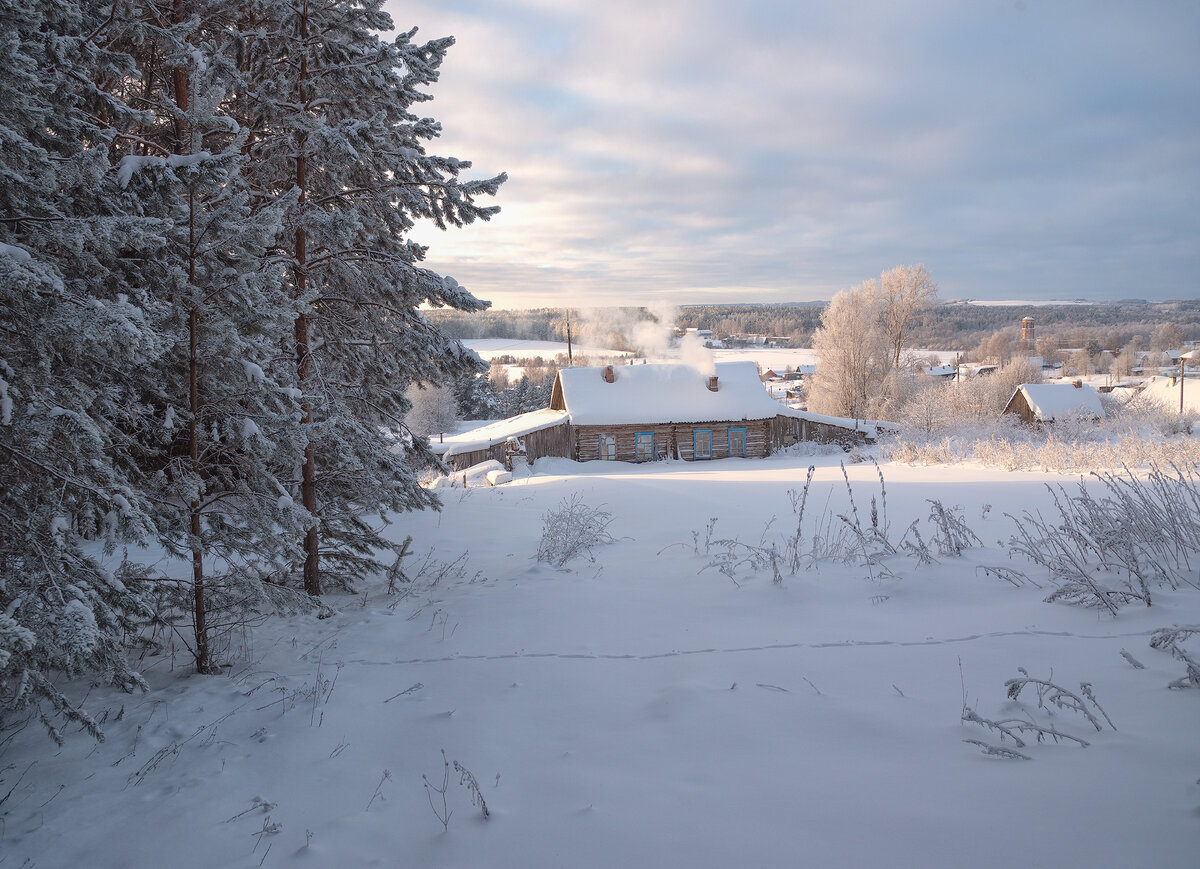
(639,708)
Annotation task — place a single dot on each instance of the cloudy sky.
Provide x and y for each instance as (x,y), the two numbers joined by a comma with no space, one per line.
(684,151)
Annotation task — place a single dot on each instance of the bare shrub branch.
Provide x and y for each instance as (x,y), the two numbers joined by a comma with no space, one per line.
(571,530)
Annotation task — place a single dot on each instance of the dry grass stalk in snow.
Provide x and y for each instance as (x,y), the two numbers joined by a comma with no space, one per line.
(953,535)
(1169,639)
(998,750)
(1048,694)
(734,554)
(1141,534)
(467,780)
(1060,450)
(441,806)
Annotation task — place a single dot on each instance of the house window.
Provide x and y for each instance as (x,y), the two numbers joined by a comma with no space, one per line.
(702,443)
(608,447)
(737,442)
(643,446)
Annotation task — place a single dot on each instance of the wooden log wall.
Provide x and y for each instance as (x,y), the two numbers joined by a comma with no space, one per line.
(758,438)
(1020,406)
(553,441)
(672,441)
(788,430)
(462,461)
(587,441)
(582,443)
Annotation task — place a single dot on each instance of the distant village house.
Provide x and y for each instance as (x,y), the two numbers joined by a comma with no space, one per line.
(642,413)
(1047,402)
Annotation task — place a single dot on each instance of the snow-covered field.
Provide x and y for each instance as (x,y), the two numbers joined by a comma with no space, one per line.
(489,348)
(643,709)
(766,357)
(779,358)
(1026,303)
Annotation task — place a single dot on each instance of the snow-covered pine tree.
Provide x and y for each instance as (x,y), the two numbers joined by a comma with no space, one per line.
(75,335)
(476,397)
(230,422)
(333,117)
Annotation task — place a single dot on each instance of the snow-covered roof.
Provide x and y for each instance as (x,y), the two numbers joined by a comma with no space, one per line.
(497,432)
(1050,401)
(1165,390)
(869,427)
(664,393)
(940,370)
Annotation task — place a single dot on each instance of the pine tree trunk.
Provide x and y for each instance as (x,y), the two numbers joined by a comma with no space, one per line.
(199,602)
(202,651)
(308,475)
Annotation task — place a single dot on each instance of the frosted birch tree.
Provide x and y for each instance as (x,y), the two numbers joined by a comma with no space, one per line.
(853,354)
(903,293)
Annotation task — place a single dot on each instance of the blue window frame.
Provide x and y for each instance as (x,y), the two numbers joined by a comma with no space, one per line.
(643,446)
(737,442)
(702,443)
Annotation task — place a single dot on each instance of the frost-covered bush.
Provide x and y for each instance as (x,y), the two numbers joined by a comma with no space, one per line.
(571,530)
(1133,438)
(1114,548)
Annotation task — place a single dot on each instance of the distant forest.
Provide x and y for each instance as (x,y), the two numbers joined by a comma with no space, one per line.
(947,326)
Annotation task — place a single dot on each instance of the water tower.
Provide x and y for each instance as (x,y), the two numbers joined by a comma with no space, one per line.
(1028,341)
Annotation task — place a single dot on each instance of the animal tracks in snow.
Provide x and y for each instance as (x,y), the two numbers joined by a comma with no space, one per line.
(770,647)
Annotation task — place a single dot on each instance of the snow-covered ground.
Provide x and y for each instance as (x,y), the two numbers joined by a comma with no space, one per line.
(1024,303)
(641,708)
(1165,390)
(776,358)
(490,348)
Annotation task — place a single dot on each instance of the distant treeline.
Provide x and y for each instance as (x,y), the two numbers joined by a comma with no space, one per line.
(949,325)
(601,327)
(537,324)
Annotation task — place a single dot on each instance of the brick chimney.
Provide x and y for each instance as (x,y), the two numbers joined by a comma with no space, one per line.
(609,377)
(712,383)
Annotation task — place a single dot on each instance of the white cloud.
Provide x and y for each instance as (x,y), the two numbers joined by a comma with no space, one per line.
(791,149)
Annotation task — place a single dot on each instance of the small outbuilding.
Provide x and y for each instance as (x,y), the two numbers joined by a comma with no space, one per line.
(533,435)
(1048,402)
